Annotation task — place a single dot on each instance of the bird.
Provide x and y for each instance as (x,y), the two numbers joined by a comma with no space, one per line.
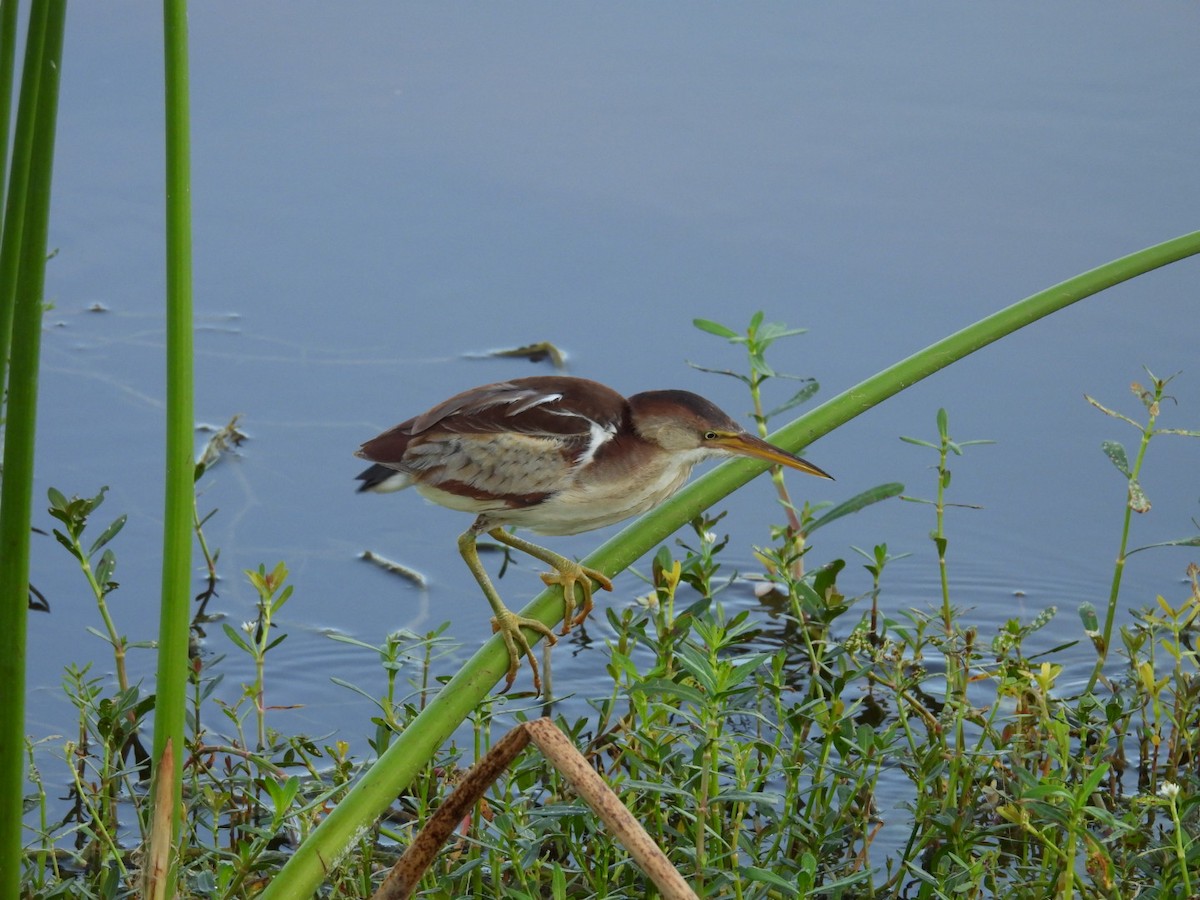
(556,455)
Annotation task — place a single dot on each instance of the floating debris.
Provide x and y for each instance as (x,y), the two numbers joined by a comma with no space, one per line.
(536,353)
(224,440)
(394,567)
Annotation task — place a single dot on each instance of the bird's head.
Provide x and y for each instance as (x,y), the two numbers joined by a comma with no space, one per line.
(682,422)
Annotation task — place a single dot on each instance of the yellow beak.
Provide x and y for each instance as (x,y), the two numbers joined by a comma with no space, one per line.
(745,444)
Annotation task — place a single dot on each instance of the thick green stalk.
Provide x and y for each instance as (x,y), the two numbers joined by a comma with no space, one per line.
(9,273)
(410,751)
(14,212)
(24,260)
(8,56)
(174,620)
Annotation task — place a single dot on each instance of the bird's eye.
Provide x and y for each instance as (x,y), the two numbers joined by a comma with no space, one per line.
(710,435)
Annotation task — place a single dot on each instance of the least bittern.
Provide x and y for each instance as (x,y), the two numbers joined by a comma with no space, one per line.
(556,455)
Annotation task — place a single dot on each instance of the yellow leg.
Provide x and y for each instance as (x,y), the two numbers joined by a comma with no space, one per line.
(504,620)
(567,573)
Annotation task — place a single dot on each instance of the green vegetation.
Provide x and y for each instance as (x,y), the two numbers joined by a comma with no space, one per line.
(754,750)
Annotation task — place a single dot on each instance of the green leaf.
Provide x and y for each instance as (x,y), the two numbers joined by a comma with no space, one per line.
(698,666)
(825,578)
(773,331)
(1087,615)
(858,502)
(1090,784)
(943,424)
(1178,542)
(918,442)
(109,533)
(655,787)
(759,364)
(803,395)
(664,687)
(104,569)
(282,796)
(715,328)
(57,500)
(1114,451)
(232,634)
(743,669)
(68,543)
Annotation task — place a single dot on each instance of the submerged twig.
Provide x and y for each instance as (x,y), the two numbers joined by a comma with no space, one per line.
(395,568)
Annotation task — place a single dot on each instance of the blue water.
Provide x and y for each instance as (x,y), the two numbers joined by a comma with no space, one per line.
(384,191)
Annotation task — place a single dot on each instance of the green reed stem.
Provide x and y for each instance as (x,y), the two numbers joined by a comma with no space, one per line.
(8,55)
(174,621)
(23,262)
(9,274)
(378,787)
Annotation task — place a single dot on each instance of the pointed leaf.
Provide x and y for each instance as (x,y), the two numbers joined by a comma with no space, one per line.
(57,500)
(666,688)
(742,378)
(109,533)
(233,635)
(1110,412)
(68,543)
(746,667)
(1178,542)
(918,442)
(715,328)
(858,502)
(801,396)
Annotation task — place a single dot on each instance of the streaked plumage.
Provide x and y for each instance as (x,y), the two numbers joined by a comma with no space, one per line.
(556,455)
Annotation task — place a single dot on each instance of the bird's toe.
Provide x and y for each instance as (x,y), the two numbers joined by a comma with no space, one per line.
(508,625)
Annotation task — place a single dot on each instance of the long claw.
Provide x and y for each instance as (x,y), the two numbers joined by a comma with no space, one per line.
(508,625)
(568,576)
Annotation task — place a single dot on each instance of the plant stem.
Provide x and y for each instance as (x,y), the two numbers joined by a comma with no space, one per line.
(175,604)
(23,262)
(1127,521)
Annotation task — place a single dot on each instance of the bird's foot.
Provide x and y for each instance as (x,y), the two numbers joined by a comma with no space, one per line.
(568,574)
(508,625)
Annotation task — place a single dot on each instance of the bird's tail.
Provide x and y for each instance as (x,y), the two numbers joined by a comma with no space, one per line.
(382,480)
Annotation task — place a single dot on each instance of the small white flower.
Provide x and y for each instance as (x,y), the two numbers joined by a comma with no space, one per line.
(249,627)
(649,601)
(709,537)
(1168,790)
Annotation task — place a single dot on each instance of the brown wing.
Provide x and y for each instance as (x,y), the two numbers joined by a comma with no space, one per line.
(520,439)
